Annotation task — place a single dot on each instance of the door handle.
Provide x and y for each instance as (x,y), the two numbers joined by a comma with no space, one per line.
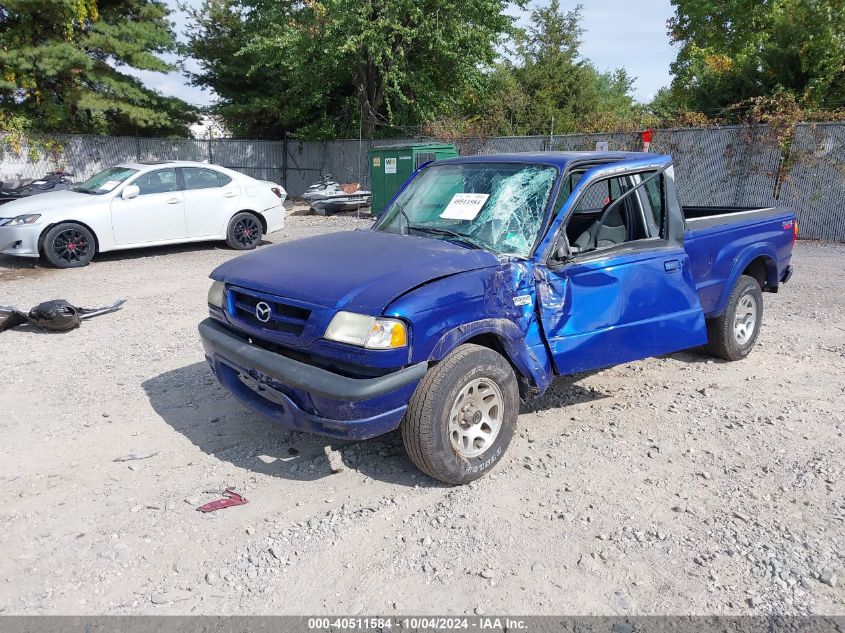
(173,201)
(671,265)
(230,194)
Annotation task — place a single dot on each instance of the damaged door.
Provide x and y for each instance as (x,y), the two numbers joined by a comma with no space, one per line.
(633,296)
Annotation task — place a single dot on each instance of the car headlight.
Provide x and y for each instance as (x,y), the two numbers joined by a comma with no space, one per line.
(216,296)
(367,331)
(24,219)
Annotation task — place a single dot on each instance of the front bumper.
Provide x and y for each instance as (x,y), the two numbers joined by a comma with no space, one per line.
(305,397)
(21,240)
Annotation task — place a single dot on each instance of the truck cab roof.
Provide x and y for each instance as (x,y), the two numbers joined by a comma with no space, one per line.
(557,159)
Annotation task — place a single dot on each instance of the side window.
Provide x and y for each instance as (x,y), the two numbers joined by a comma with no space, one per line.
(601,220)
(598,195)
(159,181)
(653,200)
(199,178)
(568,185)
(566,188)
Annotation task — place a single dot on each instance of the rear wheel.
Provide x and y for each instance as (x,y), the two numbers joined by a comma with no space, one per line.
(733,335)
(462,416)
(68,245)
(244,232)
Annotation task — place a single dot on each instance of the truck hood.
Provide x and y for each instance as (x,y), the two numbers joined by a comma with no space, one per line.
(51,201)
(358,271)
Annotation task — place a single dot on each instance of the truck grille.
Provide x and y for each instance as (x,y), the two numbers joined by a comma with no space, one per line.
(284,317)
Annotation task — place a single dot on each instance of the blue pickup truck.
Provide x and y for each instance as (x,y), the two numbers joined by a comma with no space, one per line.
(482,280)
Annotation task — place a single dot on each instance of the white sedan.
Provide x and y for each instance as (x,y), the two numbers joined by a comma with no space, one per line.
(142,204)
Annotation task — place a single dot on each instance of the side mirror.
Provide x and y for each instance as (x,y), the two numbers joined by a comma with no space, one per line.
(130,191)
(564,255)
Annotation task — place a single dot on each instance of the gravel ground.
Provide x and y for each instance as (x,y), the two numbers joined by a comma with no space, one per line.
(676,485)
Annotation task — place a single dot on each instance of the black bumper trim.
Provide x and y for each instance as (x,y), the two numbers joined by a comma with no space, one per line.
(299,375)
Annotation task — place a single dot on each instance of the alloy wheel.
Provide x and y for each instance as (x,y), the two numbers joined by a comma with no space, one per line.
(475,418)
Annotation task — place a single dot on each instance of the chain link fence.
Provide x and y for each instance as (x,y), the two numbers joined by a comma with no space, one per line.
(728,166)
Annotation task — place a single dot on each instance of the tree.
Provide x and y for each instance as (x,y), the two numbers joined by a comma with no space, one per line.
(251,97)
(319,68)
(61,66)
(548,79)
(552,71)
(735,50)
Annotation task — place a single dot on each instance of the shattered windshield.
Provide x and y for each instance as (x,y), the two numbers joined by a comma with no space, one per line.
(496,206)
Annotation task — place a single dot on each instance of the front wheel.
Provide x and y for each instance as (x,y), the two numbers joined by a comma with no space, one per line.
(244,231)
(68,245)
(462,416)
(732,336)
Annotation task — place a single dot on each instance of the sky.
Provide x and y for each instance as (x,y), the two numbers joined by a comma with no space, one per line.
(618,33)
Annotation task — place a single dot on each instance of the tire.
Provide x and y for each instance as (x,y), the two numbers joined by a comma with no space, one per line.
(244,231)
(432,440)
(733,335)
(68,245)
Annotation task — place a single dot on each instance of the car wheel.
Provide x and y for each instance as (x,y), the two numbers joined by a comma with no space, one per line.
(244,232)
(462,416)
(68,245)
(733,335)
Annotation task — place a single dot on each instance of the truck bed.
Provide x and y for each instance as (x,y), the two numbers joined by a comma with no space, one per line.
(724,242)
(702,217)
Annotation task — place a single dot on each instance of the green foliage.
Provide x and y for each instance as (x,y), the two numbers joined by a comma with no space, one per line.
(15,140)
(319,67)
(547,79)
(60,64)
(733,51)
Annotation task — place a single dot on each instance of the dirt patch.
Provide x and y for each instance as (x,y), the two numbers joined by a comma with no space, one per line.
(12,268)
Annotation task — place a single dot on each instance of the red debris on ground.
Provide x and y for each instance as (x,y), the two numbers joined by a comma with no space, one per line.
(232,499)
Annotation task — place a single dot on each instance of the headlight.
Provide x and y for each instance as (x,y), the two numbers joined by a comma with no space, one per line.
(24,219)
(367,331)
(216,294)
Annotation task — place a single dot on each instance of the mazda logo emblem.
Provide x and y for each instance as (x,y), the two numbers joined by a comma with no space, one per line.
(262,311)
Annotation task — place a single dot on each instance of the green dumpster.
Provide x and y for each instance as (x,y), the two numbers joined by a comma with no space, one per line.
(392,165)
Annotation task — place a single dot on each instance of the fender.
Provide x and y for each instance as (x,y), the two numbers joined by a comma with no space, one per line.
(745,257)
(536,370)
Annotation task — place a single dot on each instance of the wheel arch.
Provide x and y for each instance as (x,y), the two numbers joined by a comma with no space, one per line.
(504,337)
(70,221)
(758,261)
(765,270)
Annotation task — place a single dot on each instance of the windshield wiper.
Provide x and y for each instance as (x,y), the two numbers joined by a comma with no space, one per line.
(438,231)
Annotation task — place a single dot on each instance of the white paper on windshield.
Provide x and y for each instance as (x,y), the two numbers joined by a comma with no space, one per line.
(464,206)
(109,185)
